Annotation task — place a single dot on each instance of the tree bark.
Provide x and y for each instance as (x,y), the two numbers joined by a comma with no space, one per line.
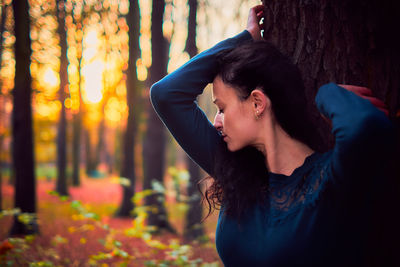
(2,27)
(90,170)
(76,148)
(100,143)
(154,141)
(347,42)
(128,157)
(61,186)
(191,47)
(1,175)
(77,117)
(77,127)
(22,131)
(193,227)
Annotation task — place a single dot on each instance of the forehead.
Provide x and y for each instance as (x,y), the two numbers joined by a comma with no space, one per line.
(222,91)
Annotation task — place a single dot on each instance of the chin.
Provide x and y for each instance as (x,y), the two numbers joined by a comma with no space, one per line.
(233,148)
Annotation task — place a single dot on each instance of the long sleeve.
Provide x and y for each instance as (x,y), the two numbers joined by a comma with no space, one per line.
(363,134)
(174,99)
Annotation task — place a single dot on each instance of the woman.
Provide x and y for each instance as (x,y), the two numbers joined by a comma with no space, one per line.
(282,203)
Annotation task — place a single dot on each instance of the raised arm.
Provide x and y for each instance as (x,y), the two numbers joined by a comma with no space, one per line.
(364,135)
(174,99)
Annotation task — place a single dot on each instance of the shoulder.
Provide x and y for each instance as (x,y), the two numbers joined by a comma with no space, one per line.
(318,178)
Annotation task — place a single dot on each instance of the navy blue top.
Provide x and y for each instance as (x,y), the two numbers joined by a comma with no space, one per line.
(318,215)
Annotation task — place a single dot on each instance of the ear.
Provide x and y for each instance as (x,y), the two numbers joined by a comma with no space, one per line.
(260,101)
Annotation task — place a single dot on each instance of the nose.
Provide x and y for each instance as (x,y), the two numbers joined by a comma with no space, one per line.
(218,122)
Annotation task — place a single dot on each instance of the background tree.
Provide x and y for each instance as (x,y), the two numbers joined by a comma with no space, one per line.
(77,112)
(3,7)
(132,88)
(155,139)
(22,145)
(61,186)
(193,226)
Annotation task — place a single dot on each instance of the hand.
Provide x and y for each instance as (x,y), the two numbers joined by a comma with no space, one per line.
(367,94)
(253,22)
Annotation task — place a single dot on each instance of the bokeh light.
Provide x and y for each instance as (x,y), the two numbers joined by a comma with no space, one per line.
(50,78)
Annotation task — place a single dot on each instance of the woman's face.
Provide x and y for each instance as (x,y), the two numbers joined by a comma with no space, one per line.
(235,117)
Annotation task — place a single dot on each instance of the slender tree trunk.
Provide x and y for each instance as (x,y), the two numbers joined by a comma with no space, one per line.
(117,161)
(76,148)
(100,143)
(128,157)
(2,27)
(1,175)
(78,131)
(77,128)
(191,47)
(89,155)
(154,141)
(22,131)
(99,149)
(193,227)
(61,186)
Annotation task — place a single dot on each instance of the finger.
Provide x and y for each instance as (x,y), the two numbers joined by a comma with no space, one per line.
(357,89)
(384,111)
(375,101)
(254,11)
(257,8)
(378,104)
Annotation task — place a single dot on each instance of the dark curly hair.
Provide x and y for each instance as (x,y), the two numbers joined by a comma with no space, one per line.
(240,179)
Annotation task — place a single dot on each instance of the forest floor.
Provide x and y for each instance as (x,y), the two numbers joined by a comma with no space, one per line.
(71,238)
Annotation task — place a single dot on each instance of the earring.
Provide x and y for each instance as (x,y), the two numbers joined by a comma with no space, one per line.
(257,115)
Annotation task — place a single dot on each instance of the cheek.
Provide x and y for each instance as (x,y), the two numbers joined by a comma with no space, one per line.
(242,125)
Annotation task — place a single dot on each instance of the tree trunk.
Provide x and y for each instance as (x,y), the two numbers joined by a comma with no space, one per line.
(2,27)
(128,157)
(61,186)
(191,47)
(154,141)
(77,127)
(1,175)
(347,42)
(90,170)
(76,148)
(22,131)
(100,143)
(117,160)
(193,227)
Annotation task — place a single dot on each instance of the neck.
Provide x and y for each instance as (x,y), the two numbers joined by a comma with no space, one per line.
(283,154)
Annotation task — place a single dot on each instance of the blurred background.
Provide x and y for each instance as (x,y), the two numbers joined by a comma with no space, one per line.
(77,128)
